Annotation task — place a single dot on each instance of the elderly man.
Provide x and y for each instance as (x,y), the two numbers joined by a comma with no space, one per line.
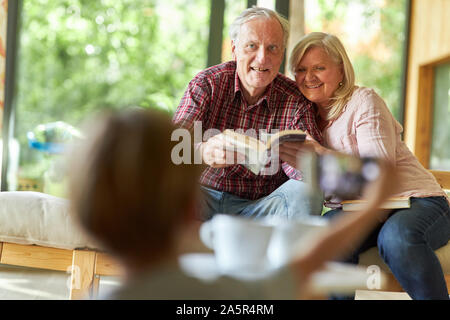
(250,93)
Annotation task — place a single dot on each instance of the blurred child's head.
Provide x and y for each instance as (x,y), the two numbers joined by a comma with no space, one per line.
(124,188)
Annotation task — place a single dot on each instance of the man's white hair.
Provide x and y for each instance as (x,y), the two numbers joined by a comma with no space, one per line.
(254,13)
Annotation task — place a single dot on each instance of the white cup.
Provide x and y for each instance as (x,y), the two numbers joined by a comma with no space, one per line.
(240,244)
(291,237)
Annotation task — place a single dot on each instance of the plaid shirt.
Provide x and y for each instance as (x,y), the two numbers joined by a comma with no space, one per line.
(214,97)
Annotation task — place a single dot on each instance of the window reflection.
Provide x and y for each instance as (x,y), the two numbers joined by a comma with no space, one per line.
(440,151)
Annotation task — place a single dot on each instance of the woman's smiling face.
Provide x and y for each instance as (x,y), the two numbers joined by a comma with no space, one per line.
(318,76)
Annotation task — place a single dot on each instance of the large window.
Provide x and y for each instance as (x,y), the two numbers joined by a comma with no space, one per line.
(76,57)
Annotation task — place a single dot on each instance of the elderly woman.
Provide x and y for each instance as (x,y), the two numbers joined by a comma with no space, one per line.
(355,120)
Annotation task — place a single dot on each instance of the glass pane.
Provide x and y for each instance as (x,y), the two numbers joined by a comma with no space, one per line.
(440,151)
(232,9)
(266,4)
(373,35)
(77,57)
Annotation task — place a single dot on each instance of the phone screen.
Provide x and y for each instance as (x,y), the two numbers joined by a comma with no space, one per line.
(341,176)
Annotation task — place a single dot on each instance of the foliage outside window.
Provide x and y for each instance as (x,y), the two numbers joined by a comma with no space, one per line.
(77,57)
(373,32)
(232,10)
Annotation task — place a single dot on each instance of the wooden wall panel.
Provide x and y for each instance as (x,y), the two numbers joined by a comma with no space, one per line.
(429,43)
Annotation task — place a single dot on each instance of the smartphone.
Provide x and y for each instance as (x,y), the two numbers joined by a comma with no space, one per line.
(340,176)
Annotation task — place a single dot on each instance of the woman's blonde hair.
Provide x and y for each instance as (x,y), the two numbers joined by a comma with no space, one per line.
(334,48)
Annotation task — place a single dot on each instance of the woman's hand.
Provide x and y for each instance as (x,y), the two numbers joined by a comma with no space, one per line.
(318,148)
(291,152)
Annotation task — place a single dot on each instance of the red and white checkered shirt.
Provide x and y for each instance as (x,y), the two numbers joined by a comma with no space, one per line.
(214,97)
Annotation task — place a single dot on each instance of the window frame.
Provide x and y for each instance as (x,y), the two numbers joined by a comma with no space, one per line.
(12,47)
(425,100)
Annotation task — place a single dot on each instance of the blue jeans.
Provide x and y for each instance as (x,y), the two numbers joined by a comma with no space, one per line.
(291,200)
(406,242)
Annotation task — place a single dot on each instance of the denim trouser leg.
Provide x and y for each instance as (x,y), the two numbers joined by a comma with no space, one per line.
(210,202)
(369,241)
(291,200)
(407,241)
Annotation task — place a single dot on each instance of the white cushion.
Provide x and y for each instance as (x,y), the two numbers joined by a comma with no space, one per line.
(28,217)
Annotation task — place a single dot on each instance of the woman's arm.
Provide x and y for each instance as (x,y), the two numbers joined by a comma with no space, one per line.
(376,134)
(347,230)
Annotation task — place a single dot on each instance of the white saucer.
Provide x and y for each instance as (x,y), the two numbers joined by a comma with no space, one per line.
(204,266)
(333,278)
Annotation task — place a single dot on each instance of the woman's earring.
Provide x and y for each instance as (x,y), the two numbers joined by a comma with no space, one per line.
(340,84)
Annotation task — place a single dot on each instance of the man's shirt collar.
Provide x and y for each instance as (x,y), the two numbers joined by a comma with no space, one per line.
(265,98)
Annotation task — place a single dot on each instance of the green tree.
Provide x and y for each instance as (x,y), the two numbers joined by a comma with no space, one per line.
(77,57)
(377,56)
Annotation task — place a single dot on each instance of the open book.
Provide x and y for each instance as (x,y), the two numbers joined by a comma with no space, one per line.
(390,203)
(257,153)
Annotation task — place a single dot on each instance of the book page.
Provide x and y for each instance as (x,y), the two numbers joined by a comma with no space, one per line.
(286,136)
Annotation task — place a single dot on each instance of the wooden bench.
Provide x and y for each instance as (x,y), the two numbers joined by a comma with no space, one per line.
(37,231)
(372,257)
(85,266)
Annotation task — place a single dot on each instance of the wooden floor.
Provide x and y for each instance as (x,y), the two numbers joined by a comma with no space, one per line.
(380,295)
(20,283)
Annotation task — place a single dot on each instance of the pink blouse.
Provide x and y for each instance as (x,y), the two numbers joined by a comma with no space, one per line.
(367,128)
